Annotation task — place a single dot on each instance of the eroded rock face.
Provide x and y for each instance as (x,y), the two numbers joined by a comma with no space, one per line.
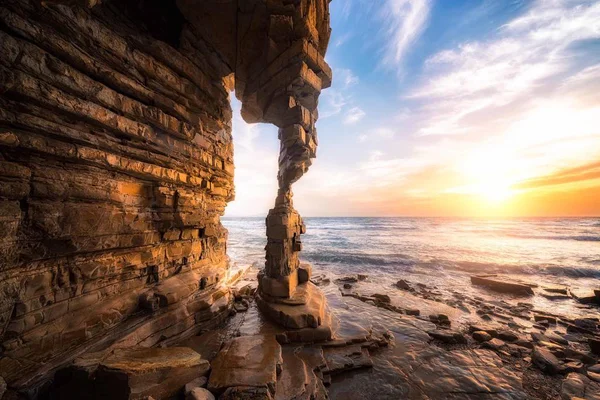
(116,163)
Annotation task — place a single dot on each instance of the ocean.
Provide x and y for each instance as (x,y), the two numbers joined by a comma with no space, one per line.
(442,252)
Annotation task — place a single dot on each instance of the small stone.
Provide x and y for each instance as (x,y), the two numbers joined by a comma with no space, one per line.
(574,366)
(447,336)
(412,312)
(198,382)
(524,343)
(362,277)
(508,336)
(304,273)
(347,286)
(384,298)
(594,376)
(595,368)
(547,318)
(402,284)
(494,344)
(199,393)
(481,336)
(489,329)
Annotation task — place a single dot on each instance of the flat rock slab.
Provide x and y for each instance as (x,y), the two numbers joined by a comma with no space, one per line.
(465,374)
(248,361)
(500,285)
(307,315)
(141,372)
(294,378)
(346,358)
(584,296)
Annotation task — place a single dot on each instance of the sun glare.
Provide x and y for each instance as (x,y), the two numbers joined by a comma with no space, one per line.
(495,192)
(488,174)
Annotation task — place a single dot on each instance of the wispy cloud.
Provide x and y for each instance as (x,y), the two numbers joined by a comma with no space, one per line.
(523,61)
(332,103)
(334,100)
(404,21)
(354,115)
(585,172)
(346,76)
(381,133)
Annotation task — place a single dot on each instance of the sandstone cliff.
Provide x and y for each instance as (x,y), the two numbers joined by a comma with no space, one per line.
(116,162)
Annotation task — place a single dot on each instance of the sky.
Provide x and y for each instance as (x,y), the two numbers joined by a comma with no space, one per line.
(462,108)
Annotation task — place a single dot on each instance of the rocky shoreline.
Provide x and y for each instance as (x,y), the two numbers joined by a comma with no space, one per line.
(380,349)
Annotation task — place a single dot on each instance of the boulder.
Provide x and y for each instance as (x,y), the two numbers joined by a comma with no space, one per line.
(503,286)
(579,386)
(545,360)
(140,372)
(304,273)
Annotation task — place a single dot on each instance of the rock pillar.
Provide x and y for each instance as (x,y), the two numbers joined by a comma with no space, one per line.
(285,90)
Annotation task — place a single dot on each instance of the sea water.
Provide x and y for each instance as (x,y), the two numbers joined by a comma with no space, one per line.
(443,252)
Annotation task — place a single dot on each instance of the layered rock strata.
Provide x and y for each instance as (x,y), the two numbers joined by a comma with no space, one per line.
(116,163)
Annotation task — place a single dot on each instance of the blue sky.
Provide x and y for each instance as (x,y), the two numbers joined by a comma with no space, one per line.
(443,107)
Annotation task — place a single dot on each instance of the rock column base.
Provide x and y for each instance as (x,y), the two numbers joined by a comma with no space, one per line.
(304,311)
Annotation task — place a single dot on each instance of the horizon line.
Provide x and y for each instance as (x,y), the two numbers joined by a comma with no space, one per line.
(430,216)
